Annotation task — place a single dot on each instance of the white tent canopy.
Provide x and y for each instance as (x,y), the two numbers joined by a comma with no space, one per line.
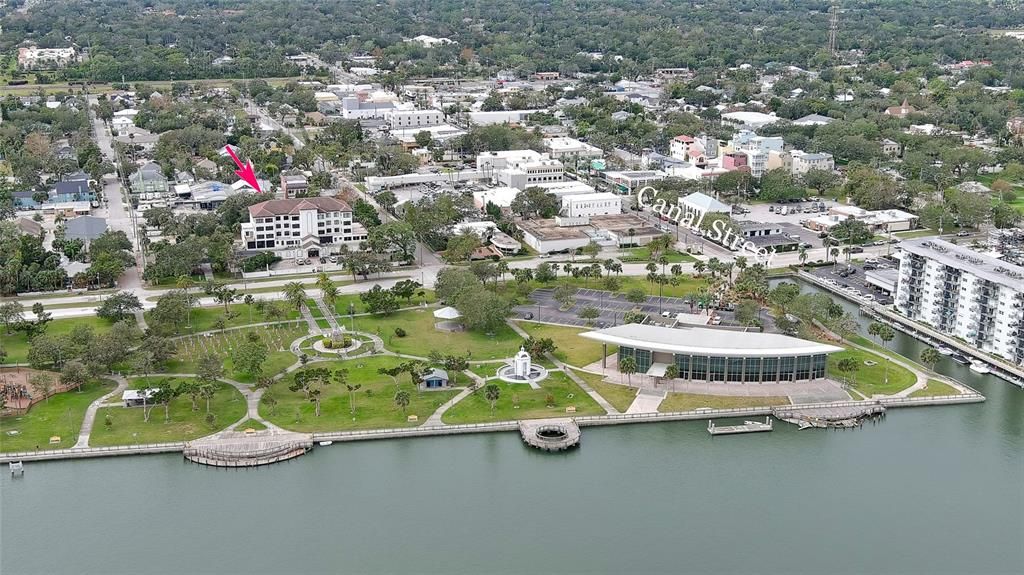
(447,313)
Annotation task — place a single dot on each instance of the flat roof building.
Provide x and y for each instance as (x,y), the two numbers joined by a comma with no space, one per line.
(716,355)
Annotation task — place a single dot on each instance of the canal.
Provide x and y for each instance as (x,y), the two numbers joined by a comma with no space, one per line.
(927,490)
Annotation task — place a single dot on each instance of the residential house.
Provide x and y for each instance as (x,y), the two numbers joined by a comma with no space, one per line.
(890,148)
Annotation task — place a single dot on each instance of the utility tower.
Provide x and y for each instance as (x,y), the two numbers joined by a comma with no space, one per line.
(833,30)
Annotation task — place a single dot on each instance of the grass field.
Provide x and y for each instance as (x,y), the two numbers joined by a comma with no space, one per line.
(343,301)
(374,402)
(571,348)
(692,401)
(935,387)
(532,403)
(870,379)
(277,338)
(485,370)
(421,336)
(239,314)
(128,427)
(910,234)
(60,416)
(620,396)
(16,344)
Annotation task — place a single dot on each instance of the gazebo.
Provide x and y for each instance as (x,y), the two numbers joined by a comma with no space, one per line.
(448,317)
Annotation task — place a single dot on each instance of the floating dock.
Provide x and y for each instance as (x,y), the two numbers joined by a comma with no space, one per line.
(550,434)
(747,427)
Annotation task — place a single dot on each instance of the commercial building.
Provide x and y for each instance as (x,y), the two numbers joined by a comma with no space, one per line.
(586,205)
(630,181)
(716,355)
(301,227)
(293,184)
(563,147)
(405,119)
(36,58)
(971,296)
(699,204)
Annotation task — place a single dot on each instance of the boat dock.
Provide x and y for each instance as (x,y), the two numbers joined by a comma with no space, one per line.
(550,434)
(747,427)
(851,415)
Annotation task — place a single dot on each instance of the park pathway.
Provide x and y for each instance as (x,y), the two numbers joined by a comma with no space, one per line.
(922,377)
(435,418)
(646,401)
(328,313)
(608,408)
(90,412)
(310,320)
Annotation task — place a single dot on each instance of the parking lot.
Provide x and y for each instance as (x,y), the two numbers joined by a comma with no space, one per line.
(768,212)
(612,306)
(853,282)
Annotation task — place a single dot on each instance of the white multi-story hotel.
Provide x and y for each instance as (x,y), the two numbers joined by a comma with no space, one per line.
(804,162)
(301,227)
(974,297)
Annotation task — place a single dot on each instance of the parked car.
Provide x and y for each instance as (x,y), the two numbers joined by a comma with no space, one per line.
(856,250)
(962,234)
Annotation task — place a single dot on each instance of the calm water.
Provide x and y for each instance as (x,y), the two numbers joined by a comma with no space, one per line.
(928,490)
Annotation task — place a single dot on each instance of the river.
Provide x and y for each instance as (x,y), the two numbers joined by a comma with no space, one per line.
(926,490)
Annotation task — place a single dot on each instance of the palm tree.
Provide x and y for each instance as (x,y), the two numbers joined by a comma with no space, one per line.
(185,283)
(249,301)
(930,356)
(402,399)
(502,268)
(847,365)
(628,366)
(295,294)
(492,393)
(803,256)
(699,266)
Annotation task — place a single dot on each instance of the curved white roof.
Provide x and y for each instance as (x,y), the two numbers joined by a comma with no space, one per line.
(704,341)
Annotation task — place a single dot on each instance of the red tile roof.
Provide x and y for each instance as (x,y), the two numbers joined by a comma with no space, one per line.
(293,206)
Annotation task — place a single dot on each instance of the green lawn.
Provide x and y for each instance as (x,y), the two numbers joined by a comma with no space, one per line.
(692,401)
(571,348)
(643,255)
(128,427)
(61,416)
(421,336)
(277,338)
(620,396)
(910,234)
(688,285)
(16,344)
(205,318)
(342,302)
(935,387)
(486,370)
(870,379)
(314,310)
(374,401)
(532,403)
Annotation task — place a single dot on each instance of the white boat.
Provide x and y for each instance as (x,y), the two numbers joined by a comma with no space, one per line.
(979,366)
(326,443)
(945,350)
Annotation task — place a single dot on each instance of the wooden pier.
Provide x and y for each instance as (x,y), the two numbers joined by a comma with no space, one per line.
(550,434)
(830,416)
(747,427)
(235,449)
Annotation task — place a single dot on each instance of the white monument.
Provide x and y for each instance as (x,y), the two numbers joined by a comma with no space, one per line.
(521,364)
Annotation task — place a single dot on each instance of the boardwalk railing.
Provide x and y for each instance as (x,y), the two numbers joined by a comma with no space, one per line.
(44,454)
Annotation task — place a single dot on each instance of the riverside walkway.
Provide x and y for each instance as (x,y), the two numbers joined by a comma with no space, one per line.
(439,430)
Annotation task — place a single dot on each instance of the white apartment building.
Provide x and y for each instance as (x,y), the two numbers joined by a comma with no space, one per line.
(974,297)
(301,227)
(520,168)
(34,57)
(586,205)
(562,147)
(405,119)
(804,162)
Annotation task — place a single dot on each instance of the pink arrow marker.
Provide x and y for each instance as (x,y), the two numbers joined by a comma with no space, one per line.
(244,171)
